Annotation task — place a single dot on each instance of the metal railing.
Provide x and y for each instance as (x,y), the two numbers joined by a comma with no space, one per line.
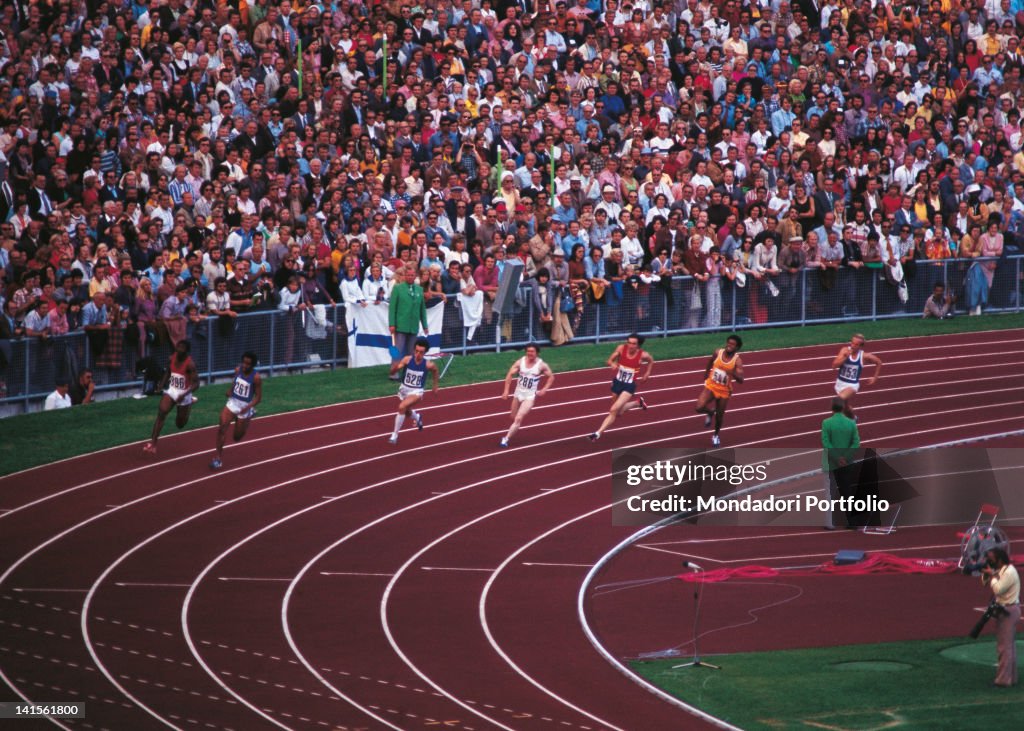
(681,305)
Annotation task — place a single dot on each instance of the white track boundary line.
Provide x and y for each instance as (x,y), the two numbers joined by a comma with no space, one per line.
(639,535)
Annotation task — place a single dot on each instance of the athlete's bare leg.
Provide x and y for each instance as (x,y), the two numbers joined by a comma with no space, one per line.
(241,427)
(222,430)
(519,411)
(721,404)
(181,418)
(620,405)
(404,409)
(847,395)
(166,404)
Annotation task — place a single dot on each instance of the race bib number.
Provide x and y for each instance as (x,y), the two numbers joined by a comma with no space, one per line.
(242,389)
(413,379)
(625,375)
(178,381)
(848,372)
(720,377)
(528,382)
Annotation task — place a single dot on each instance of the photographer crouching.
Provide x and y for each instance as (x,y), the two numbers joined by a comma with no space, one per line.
(1001,576)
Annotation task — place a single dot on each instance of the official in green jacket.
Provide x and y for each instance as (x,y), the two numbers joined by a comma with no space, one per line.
(407,310)
(840,443)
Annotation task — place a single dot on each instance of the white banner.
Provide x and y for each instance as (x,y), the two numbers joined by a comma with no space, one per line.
(369,337)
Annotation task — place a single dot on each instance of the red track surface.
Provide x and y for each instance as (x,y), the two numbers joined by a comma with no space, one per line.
(326,579)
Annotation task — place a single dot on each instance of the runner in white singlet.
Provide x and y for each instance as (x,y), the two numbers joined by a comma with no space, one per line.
(527,373)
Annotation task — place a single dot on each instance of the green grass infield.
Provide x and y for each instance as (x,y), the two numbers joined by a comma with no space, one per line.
(930,685)
(33,439)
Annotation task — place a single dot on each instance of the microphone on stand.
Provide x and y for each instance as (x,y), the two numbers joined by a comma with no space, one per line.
(697,586)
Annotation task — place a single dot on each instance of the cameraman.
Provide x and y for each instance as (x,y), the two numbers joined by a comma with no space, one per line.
(1002,578)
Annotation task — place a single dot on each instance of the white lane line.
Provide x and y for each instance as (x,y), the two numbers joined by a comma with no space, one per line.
(567,565)
(453,568)
(148,584)
(245,578)
(373,417)
(57,537)
(353,573)
(27,589)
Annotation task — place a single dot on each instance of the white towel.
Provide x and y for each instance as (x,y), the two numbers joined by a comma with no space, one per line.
(472,311)
(316,322)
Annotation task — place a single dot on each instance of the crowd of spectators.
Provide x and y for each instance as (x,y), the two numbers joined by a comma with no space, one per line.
(165,161)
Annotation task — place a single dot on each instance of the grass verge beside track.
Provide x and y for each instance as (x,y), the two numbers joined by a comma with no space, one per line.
(928,685)
(33,439)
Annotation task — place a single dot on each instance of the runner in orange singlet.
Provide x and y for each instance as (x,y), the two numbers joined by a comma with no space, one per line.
(724,367)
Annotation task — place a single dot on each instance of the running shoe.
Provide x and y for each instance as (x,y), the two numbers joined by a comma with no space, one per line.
(393,439)
(503,442)
(148,448)
(643,404)
(216,464)
(594,437)
(707,421)
(418,418)
(716,441)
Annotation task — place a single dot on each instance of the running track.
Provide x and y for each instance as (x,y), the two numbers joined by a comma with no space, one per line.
(325,579)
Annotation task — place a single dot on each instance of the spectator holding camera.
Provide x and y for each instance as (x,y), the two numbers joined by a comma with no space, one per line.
(940,304)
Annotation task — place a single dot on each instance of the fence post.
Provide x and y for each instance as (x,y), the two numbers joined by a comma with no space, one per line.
(874,294)
(28,370)
(334,337)
(664,314)
(803,296)
(597,323)
(209,351)
(732,294)
(529,322)
(273,327)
